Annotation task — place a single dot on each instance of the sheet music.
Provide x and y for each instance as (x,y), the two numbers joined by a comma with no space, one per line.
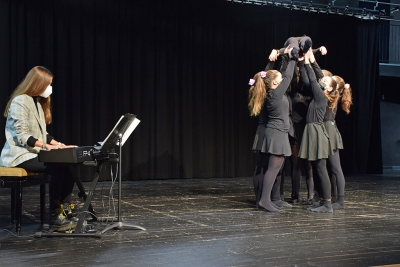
(130,129)
(127,133)
(111,131)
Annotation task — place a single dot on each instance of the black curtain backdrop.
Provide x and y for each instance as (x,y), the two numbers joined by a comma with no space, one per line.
(182,67)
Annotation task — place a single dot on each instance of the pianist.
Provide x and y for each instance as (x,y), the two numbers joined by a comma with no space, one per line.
(28,112)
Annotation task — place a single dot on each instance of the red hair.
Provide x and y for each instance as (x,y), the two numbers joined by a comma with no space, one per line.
(345,92)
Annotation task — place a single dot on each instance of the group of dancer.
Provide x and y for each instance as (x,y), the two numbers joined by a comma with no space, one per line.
(296,109)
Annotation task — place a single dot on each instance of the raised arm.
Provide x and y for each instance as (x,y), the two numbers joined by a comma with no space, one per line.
(284,63)
(287,74)
(273,56)
(303,74)
(275,53)
(317,92)
(315,88)
(320,51)
(317,70)
(286,79)
(270,65)
(315,66)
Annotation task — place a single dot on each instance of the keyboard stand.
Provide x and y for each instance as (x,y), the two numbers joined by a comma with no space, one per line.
(79,229)
(82,192)
(86,207)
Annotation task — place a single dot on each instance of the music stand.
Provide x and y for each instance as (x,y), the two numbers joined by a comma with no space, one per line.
(118,137)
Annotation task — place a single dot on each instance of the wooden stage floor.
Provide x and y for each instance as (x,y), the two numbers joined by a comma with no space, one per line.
(214,222)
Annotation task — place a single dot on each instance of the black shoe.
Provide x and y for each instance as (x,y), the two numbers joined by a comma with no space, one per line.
(312,201)
(295,200)
(326,207)
(339,204)
(316,204)
(282,204)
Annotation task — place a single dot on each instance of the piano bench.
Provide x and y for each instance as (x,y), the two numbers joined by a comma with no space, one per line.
(16,178)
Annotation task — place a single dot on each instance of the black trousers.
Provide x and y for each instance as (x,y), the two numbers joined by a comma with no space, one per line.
(61,182)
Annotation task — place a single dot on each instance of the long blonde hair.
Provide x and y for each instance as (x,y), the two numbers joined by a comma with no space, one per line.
(346,98)
(34,83)
(258,91)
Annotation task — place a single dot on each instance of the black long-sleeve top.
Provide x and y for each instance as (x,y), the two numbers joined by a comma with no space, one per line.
(318,72)
(263,116)
(293,84)
(317,108)
(277,104)
(300,106)
(330,114)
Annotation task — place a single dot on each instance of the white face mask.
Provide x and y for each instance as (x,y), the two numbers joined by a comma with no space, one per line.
(47,92)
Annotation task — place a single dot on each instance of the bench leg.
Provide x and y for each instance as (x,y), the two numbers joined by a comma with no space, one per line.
(18,212)
(13,195)
(42,203)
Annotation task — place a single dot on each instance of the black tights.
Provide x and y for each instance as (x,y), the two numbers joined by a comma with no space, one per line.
(321,173)
(61,182)
(337,177)
(258,178)
(277,189)
(297,164)
(274,165)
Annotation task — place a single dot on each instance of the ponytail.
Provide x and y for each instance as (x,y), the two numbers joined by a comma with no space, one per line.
(257,93)
(333,96)
(346,99)
(344,89)
(260,85)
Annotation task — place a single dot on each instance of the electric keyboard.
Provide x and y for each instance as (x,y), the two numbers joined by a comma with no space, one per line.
(68,155)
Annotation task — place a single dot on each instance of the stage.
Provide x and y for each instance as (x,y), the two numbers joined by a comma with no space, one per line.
(214,222)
